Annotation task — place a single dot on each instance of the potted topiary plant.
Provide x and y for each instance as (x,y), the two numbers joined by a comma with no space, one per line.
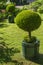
(10,9)
(29,21)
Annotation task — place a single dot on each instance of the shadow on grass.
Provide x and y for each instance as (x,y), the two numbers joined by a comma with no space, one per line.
(38,60)
(2,25)
(17,62)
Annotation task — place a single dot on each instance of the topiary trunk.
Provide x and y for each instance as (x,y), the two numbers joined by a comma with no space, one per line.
(29,34)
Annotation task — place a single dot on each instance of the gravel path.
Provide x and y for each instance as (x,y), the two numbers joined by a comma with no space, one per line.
(19,7)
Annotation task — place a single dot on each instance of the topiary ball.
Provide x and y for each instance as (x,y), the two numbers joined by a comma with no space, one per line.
(28,20)
(10,8)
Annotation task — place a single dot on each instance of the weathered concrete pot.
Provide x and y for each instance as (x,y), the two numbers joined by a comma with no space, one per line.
(30,50)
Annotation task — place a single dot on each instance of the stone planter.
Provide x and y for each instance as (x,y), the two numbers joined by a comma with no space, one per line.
(30,50)
(11,19)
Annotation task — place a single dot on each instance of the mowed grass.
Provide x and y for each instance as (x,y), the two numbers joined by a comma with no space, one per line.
(11,38)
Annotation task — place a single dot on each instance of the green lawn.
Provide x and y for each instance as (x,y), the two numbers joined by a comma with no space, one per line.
(10,45)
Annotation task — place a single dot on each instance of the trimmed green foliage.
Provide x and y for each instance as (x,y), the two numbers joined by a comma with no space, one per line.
(11,11)
(28,20)
(10,8)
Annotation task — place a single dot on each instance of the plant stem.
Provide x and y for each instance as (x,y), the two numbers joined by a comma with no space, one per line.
(30,35)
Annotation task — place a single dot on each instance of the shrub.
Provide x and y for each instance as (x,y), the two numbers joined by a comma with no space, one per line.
(2,5)
(5,15)
(10,8)
(34,5)
(11,11)
(40,9)
(28,21)
(1,17)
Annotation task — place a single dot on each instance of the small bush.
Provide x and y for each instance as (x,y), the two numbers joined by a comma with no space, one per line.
(2,5)
(28,20)
(10,8)
(33,6)
(5,15)
(40,9)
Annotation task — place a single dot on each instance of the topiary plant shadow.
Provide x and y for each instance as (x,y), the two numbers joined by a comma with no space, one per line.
(38,60)
(3,25)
